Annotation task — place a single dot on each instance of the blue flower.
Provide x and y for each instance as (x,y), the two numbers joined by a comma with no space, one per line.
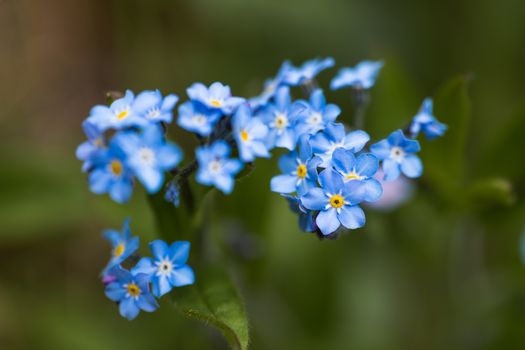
(149,155)
(307,72)
(249,133)
(426,122)
(119,115)
(324,143)
(91,149)
(397,154)
(317,115)
(215,168)
(217,96)
(299,170)
(168,267)
(306,217)
(110,174)
(131,291)
(197,118)
(270,87)
(280,118)
(362,168)
(172,194)
(151,106)
(336,201)
(362,76)
(122,245)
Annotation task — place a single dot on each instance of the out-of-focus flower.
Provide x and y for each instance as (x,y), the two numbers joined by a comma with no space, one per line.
(307,71)
(91,149)
(424,121)
(217,96)
(317,115)
(122,245)
(249,133)
(197,118)
(215,166)
(362,76)
(270,87)
(153,107)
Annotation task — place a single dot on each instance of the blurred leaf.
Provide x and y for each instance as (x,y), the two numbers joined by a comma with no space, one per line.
(444,158)
(491,191)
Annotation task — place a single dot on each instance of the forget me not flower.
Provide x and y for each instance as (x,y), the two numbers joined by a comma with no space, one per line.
(92,148)
(336,201)
(153,107)
(324,143)
(397,154)
(131,291)
(280,118)
(299,170)
(308,71)
(426,122)
(149,155)
(317,115)
(122,245)
(215,168)
(217,96)
(249,133)
(362,76)
(361,168)
(197,118)
(168,267)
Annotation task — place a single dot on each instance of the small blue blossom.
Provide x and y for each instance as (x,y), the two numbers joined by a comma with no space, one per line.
(122,245)
(154,108)
(307,72)
(197,118)
(110,174)
(324,143)
(299,170)
(317,115)
(270,87)
(362,76)
(217,96)
(148,155)
(249,133)
(306,217)
(215,168)
(91,149)
(361,168)
(168,267)
(336,201)
(119,115)
(172,193)
(131,291)
(397,154)
(280,117)
(426,122)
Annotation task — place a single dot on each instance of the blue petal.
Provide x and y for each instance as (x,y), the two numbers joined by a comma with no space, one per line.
(144,266)
(115,291)
(99,181)
(224,183)
(367,165)
(159,249)
(317,100)
(352,217)
(411,146)
(179,251)
(343,160)
(412,166)
(146,100)
(356,140)
(314,199)
(373,190)
(331,181)
(182,276)
(283,183)
(381,149)
(161,285)
(391,169)
(169,156)
(113,236)
(327,221)
(286,140)
(147,303)
(331,112)
(128,309)
(151,178)
(121,190)
(396,138)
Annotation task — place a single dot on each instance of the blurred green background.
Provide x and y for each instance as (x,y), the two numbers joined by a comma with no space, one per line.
(441,272)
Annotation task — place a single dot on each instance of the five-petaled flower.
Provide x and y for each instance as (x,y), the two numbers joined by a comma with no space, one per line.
(217,96)
(362,76)
(317,115)
(336,201)
(215,166)
(122,245)
(249,133)
(324,143)
(397,154)
(168,268)
(197,118)
(426,122)
(149,155)
(131,291)
(154,108)
(90,150)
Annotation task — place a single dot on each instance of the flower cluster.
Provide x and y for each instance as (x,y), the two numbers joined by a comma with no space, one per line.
(131,288)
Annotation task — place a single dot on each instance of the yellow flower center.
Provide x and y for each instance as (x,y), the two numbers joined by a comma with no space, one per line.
(116,167)
(337,201)
(215,103)
(244,135)
(119,250)
(133,290)
(353,176)
(123,114)
(301,171)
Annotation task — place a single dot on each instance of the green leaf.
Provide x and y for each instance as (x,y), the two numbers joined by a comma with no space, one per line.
(488,192)
(214,300)
(444,159)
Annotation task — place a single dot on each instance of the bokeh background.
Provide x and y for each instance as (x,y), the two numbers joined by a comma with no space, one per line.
(440,272)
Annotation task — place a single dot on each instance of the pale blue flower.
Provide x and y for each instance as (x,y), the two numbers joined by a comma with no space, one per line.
(217,96)
(362,76)
(197,118)
(249,133)
(215,166)
(307,71)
